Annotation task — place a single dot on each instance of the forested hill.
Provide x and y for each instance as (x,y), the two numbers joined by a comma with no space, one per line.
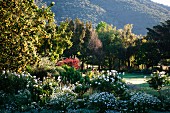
(140,13)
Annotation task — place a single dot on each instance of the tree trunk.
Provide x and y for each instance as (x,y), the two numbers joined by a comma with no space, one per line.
(82,65)
(110,64)
(128,61)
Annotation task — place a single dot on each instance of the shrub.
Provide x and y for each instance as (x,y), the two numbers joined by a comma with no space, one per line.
(110,83)
(158,80)
(44,68)
(70,75)
(142,102)
(18,91)
(62,100)
(70,62)
(102,101)
(10,82)
(14,92)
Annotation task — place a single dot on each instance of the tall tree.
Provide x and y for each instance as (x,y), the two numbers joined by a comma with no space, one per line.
(84,50)
(24,27)
(129,42)
(110,39)
(147,54)
(160,35)
(78,29)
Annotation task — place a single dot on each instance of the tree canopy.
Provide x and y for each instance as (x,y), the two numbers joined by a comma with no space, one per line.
(25,29)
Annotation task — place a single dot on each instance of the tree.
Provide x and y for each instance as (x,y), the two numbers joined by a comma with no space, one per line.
(78,30)
(59,41)
(111,42)
(84,50)
(147,54)
(160,35)
(24,28)
(129,40)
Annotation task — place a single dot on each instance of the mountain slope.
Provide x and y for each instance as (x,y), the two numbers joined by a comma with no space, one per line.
(140,13)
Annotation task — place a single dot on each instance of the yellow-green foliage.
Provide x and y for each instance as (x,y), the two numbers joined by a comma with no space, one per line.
(25,30)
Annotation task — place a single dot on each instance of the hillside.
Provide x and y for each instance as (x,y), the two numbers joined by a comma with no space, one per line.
(140,13)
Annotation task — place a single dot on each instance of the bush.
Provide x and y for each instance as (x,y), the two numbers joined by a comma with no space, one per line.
(70,62)
(18,91)
(62,100)
(44,68)
(142,102)
(158,80)
(110,83)
(14,92)
(70,75)
(102,101)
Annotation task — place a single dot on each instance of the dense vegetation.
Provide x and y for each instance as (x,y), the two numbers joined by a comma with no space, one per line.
(42,64)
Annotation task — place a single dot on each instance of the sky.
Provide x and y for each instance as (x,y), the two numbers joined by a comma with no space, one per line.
(165,2)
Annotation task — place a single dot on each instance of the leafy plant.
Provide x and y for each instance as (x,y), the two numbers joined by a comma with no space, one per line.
(158,80)
(62,100)
(142,102)
(70,75)
(70,62)
(102,101)
(110,83)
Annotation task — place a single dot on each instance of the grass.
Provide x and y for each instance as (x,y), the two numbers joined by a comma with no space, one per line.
(137,82)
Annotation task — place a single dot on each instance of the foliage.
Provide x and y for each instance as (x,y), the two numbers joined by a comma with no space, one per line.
(70,75)
(28,33)
(44,68)
(102,101)
(62,100)
(158,80)
(110,83)
(70,62)
(21,32)
(78,29)
(142,102)
(82,86)
(147,54)
(129,42)
(20,90)
(111,42)
(159,34)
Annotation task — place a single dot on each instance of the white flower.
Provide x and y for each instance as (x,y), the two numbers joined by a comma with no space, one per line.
(50,84)
(162,73)
(3,72)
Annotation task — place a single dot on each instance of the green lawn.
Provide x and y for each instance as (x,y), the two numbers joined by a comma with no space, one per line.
(137,82)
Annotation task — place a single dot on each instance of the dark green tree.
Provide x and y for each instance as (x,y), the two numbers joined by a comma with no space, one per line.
(160,35)
(84,50)
(129,40)
(78,29)
(147,54)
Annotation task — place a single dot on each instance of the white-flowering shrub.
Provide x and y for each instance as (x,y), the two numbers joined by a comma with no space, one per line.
(62,100)
(158,80)
(103,101)
(141,102)
(110,83)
